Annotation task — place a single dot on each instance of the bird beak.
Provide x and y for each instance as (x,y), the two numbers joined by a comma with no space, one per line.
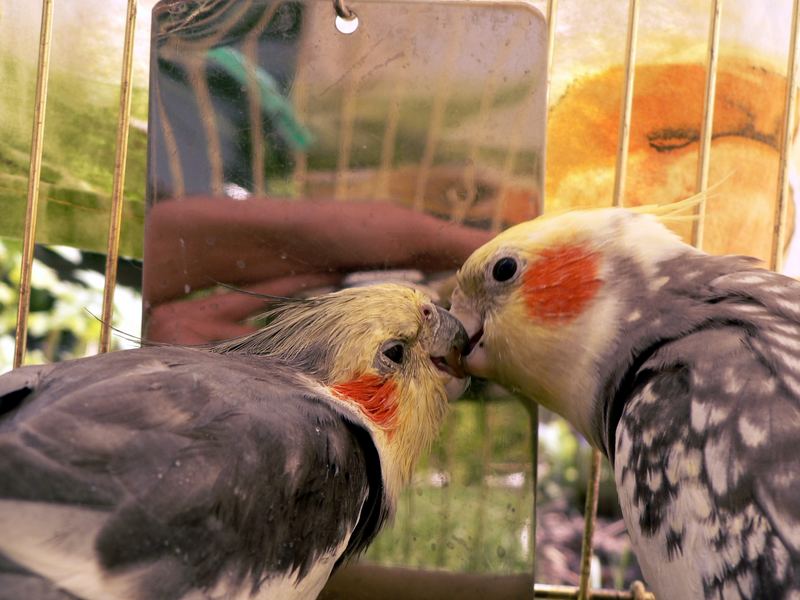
(450,342)
(475,356)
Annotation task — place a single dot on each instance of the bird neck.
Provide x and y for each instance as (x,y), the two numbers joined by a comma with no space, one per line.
(665,303)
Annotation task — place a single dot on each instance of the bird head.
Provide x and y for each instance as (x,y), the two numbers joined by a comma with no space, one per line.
(543,301)
(386,355)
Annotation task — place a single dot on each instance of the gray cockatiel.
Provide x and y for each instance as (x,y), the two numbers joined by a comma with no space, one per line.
(683,368)
(248,470)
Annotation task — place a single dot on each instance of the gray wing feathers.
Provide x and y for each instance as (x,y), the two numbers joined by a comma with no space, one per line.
(205,466)
(722,404)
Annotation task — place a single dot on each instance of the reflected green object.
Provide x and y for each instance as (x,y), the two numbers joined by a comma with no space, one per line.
(273,103)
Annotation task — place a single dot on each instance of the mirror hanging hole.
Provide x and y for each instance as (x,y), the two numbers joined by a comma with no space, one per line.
(346,20)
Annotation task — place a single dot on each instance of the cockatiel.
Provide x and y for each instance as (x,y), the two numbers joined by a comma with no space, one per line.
(683,368)
(247,470)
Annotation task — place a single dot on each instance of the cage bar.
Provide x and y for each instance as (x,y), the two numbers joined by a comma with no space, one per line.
(34,176)
(706,130)
(118,189)
(299,95)
(178,184)
(593,485)
(781,206)
(250,47)
(480,511)
(590,520)
(524,114)
(389,140)
(568,592)
(534,426)
(196,69)
(590,514)
(533,409)
(550,17)
(627,101)
(257,140)
(348,120)
(440,99)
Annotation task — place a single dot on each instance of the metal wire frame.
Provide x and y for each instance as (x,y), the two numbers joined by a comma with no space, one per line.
(34,175)
(348,118)
(440,98)
(593,486)
(550,23)
(250,47)
(712,60)
(539,590)
(781,209)
(627,101)
(568,592)
(120,161)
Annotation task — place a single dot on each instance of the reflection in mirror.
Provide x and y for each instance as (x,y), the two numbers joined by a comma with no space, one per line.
(285,156)
(288,158)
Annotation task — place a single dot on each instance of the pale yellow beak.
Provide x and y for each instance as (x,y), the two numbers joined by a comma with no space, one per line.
(476,359)
(447,350)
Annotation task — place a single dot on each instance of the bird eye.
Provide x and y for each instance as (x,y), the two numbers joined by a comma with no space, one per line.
(504,269)
(395,353)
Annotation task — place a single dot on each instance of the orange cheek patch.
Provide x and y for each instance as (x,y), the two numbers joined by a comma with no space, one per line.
(559,285)
(375,396)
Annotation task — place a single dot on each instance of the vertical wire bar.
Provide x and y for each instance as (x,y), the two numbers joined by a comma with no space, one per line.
(460,206)
(533,417)
(178,188)
(552,7)
(533,412)
(300,170)
(299,96)
(196,69)
(388,143)
(523,117)
(34,175)
(436,122)
(444,463)
(257,142)
(483,488)
(117,193)
(590,513)
(779,232)
(703,162)
(590,519)
(347,118)
(258,150)
(627,101)
(408,525)
(393,119)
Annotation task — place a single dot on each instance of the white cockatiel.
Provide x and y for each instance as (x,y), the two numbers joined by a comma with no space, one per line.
(683,368)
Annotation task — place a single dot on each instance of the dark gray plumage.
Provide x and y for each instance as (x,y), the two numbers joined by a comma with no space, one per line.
(245,471)
(196,486)
(709,422)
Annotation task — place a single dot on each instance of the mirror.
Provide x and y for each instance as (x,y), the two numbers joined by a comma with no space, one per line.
(287,157)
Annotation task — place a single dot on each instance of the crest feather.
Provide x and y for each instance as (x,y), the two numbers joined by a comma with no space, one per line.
(680,211)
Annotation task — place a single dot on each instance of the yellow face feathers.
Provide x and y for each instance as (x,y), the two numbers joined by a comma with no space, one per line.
(535,303)
(385,353)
